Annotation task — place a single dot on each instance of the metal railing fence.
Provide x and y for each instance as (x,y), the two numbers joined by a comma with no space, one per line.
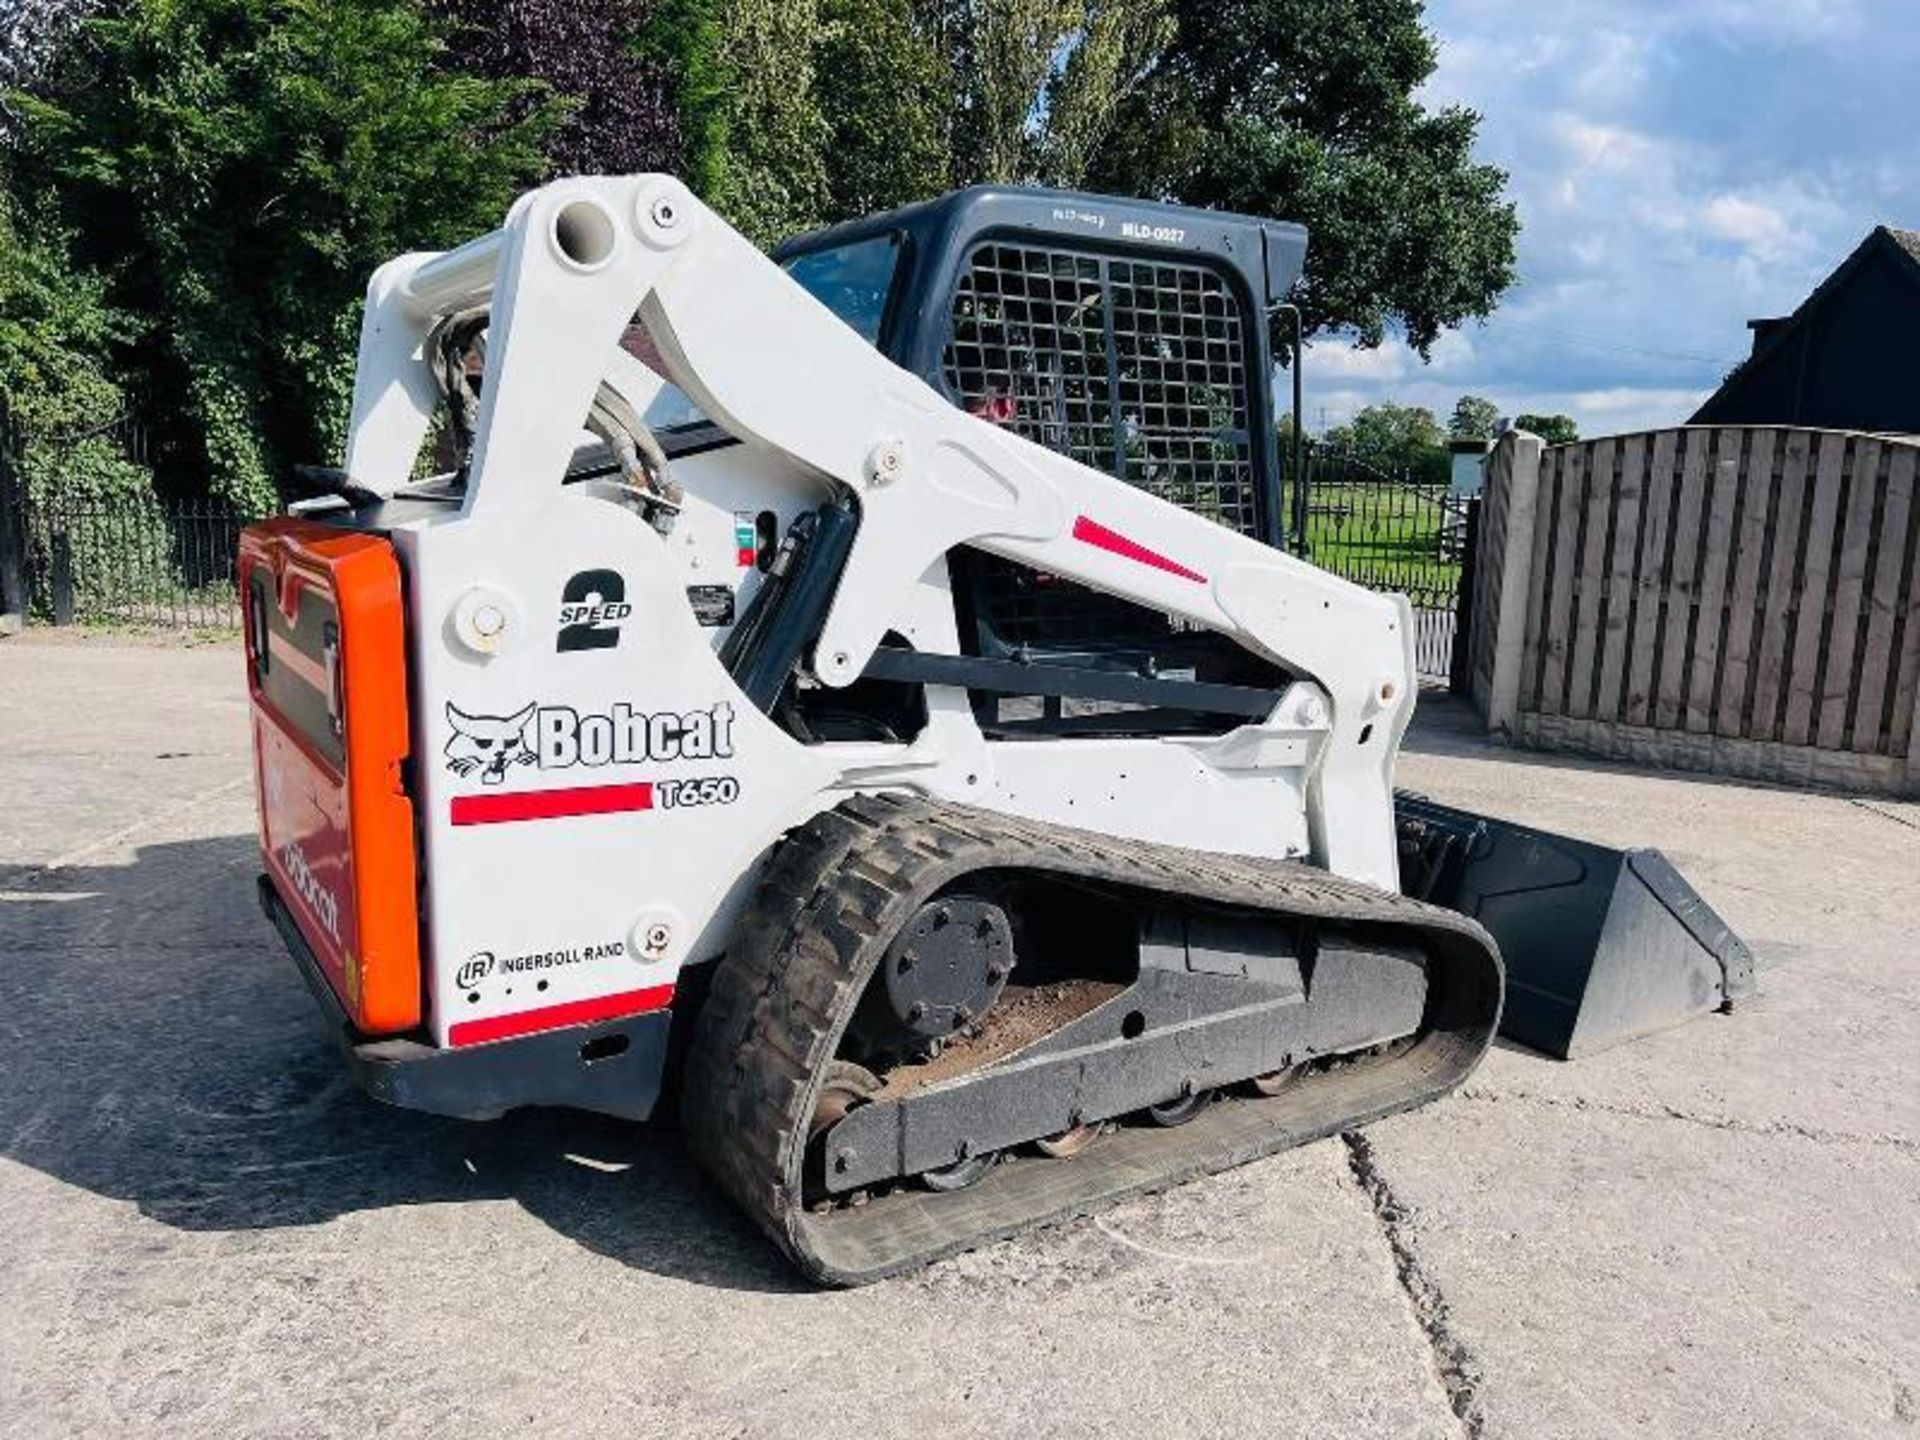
(1394,532)
(133,561)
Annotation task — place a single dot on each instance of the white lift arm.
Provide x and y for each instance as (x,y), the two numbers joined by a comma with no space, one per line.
(579,259)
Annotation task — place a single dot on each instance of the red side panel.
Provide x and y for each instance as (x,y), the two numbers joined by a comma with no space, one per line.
(326,670)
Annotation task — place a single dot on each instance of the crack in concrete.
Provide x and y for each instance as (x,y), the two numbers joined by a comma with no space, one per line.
(1772,1128)
(1873,809)
(1459,1372)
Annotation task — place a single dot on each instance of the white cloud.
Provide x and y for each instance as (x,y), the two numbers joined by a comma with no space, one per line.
(1335,359)
(1624,400)
(1678,168)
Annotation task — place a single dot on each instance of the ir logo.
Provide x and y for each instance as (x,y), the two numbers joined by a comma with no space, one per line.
(474,969)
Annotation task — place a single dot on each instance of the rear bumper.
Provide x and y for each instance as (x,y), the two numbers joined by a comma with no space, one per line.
(613,1067)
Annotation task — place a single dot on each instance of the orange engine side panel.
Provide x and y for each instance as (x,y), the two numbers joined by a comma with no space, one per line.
(327,675)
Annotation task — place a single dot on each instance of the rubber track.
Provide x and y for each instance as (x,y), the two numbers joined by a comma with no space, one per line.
(839,887)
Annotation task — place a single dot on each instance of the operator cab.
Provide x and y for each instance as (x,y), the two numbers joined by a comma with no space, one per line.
(1131,337)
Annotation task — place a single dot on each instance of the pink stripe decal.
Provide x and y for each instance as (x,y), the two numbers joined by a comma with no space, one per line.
(1101,538)
(552,804)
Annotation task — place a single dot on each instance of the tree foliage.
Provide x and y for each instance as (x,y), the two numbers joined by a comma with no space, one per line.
(1302,109)
(1036,83)
(56,383)
(216,179)
(1113,48)
(1554,429)
(1401,439)
(683,40)
(33,35)
(1307,109)
(887,104)
(1474,418)
(836,108)
(240,167)
(619,116)
(775,177)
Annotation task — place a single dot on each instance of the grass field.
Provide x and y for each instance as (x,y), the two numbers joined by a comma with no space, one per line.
(1387,536)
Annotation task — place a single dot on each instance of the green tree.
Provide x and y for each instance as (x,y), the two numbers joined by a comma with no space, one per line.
(774,180)
(821,110)
(240,167)
(684,39)
(589,53)
(1474,417)
(1113,46)
(56,385)
(1399,438)
(1554,429)
(887,106)
(1307,109)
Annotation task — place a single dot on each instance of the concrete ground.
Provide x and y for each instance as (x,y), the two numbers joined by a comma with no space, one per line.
(208,1231)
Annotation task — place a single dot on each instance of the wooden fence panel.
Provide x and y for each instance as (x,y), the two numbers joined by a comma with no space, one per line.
(1839,679)
(1670,693)
(1533,657)
(1590,582)
(1650,581)
(1489,571)
(1744,593)
(1907,662)
(1622,554)
(1556,632)
(1751,593)
(1775,614)
(1811,594)
(1723,499)
(1886,604)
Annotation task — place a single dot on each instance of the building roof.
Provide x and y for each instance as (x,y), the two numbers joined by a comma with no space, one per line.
(1772,333)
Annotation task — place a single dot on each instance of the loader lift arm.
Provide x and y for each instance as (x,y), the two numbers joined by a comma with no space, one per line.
(578,259)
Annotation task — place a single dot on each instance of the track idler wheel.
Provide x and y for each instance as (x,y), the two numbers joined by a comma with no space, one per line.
(845,1087)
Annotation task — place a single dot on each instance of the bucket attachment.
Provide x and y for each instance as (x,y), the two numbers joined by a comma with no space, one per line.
(1600,945)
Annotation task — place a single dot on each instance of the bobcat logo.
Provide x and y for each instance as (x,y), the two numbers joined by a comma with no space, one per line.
(488,743)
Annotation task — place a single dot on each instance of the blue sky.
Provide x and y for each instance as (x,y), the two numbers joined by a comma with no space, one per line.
(1680,166)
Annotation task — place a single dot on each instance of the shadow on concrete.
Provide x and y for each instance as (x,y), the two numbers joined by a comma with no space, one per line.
(161,1049)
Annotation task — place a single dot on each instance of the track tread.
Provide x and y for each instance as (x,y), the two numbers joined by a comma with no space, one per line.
(844,882)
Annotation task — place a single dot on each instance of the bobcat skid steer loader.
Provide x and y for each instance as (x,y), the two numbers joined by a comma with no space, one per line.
(864,690)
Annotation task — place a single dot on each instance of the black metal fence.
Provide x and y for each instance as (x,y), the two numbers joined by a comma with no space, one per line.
(1395,532)
(79,547)
(134,562)
(142,561)
(127,560)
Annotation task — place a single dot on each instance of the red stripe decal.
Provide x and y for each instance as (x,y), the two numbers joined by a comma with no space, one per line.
(1101,538)
(552,804)
(552,1017)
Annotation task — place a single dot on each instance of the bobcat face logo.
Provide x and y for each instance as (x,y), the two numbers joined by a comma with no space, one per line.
(488,743)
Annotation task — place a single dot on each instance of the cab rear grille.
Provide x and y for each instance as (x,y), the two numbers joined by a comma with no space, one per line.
(1135,367)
